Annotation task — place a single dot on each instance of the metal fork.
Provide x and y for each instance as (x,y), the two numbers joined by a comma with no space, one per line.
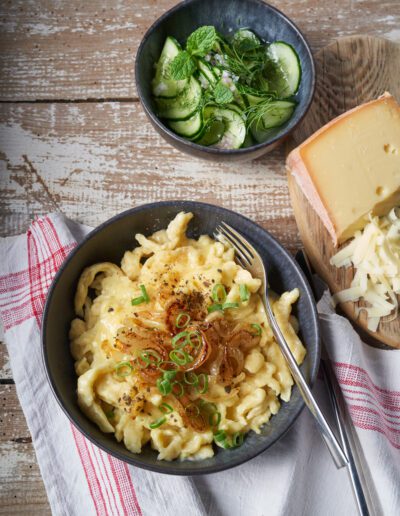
(248,258)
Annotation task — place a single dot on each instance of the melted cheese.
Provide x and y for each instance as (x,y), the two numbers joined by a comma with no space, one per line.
(351,166)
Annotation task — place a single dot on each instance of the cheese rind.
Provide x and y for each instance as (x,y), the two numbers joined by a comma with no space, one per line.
(351,166)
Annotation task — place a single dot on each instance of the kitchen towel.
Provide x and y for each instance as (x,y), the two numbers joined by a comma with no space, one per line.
(295,476)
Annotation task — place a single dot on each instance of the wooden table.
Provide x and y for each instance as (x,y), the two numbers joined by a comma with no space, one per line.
(73,138)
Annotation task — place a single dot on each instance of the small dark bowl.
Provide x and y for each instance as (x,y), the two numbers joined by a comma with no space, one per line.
(108,243)
(266,21)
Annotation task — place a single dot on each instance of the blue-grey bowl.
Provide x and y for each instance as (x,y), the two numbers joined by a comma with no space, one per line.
(108,242)
(227,15)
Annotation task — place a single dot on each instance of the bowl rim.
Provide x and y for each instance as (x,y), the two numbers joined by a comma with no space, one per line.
(213,150)
(163,466)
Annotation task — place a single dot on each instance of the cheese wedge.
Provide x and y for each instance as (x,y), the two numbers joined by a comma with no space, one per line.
(351,166)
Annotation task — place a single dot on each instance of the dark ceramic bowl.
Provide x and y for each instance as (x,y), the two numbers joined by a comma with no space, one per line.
(266,21)
(108,243)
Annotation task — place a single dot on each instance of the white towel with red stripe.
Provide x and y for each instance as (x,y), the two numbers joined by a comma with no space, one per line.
(295,476)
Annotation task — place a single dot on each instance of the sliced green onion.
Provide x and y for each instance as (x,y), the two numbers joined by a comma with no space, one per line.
(182,336)
(144,293)
(146,356)
(202,385)
(244,292)
(237,439)
(182,320)
(189,409)
(165,408)
(258,329)
(191,378)
(158,422)
(221,439)
(167,363)
(180,357)
(225,306)
(164,386)
(110,414)
(179,386)
(197,335)
(169,375)
(137,300)
(214,419)
(214,308)
(218,293)
(123,369)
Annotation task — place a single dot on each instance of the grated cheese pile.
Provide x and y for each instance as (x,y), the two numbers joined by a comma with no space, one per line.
(375,254)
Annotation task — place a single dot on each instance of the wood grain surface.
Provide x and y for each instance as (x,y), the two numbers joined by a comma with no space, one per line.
(350,71)
(73,138)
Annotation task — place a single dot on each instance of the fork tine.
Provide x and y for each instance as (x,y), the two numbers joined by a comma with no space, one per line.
(250,249)
(239,244)
(239,251)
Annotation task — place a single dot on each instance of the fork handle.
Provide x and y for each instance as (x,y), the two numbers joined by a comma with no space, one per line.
(324,428)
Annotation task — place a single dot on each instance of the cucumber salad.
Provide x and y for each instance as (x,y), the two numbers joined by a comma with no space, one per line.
(226,93)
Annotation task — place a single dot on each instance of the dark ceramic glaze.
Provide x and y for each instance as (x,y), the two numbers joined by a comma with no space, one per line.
(266,21)
(108,243)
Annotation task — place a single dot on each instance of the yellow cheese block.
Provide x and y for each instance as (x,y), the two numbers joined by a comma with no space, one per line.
(351,166)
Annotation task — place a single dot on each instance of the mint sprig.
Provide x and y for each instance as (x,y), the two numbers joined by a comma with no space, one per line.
(222,94)
(182,66)
(199,43)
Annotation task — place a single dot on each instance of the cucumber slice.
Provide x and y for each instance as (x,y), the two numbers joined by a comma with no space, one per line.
(162,84)
(278,114)
(212,132)
(206,71)
(245,40)
(235,127)
(188,128)
(287,77)
(184,105)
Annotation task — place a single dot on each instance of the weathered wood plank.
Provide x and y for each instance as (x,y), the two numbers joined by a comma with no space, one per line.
(75,50)
(5,369)
(21,486)
(93,160)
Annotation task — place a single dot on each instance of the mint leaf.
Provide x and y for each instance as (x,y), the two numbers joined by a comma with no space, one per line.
(222,94)
(201,41)
(182,66)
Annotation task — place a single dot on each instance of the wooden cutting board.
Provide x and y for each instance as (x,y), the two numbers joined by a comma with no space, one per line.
(350,71)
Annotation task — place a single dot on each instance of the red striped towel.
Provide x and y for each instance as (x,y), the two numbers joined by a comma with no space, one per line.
(82,479)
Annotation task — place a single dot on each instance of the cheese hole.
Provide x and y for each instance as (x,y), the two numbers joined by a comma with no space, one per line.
(379,190)
(390,149)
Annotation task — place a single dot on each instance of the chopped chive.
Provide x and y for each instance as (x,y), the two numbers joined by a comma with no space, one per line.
(237,439)
(214,419)
(123,369)
(202,385)
(177,386)
(169,375)
(137,300)
(158,422)
(225,306)
(244,292)
(165,408)
(144,293)
(197,335)
(191,378)
(258,329)
(180,357)
(189,408)
(218,293)
(182,320)
(167,363)
(181,336)
(146,356)
(214,308)
(221,439)
(164,386)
